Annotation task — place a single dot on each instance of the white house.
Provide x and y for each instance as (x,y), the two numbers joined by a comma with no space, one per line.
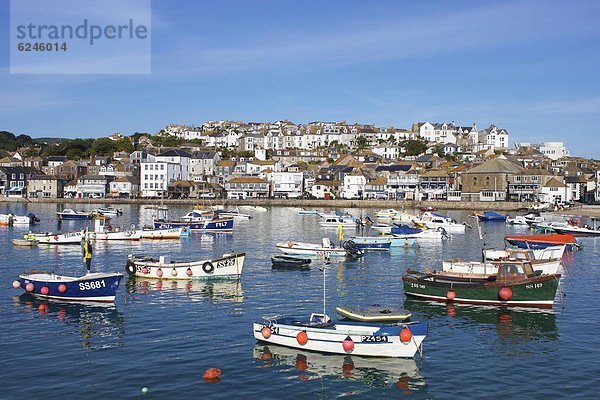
(554,150)
(286,184)
(389,152)
(353,185)
(203,163)
(554,191)
(156,176)
(177,156)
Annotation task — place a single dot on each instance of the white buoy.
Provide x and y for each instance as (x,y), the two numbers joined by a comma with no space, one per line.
(16,284)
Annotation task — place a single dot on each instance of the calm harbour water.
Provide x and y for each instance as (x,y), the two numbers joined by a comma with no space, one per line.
(164,335)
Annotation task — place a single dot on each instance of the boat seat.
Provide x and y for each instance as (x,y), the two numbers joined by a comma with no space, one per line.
(313,324)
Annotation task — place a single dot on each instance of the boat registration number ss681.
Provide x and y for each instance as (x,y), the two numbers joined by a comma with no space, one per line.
(92,285)
(374,339)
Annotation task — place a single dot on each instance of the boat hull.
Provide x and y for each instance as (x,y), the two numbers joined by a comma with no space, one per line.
(63,238)
(369,340)
(73,217)
(308,249)
(547,267)
(121,235)
(537,242)
(213,225)
(535,292)
(577,231)
(226,267)
(170,233)
(101,287)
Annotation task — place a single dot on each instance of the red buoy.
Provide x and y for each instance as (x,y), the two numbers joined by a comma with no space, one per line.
(145,270)
(451,295)
(62,288)
(348,344)
(55,237)
(266,332)
(405,335)
(159,273)
(505,293)
(45,290)
(212,373)
(302,338)
(189,272)
(29,287)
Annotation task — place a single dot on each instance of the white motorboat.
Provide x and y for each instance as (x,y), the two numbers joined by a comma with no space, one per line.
(55,238)
(527,219)
(255,208)
(459,266)
(326,248)
(168,233)
(334,222)
(433,221)
(576,229)
(382,228)
(12,220)
(548,253)
(235,214)
(228,266)
(104,231)
(109,211)
(387,213)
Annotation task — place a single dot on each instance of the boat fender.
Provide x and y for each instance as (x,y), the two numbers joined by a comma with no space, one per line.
(505,293)
(55,237)
(189,272)
(208,267)
(405,335)
(174,272)
(130,266)
(290,244)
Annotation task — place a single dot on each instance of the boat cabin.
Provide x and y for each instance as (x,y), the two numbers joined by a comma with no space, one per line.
(513,270)
(102,224)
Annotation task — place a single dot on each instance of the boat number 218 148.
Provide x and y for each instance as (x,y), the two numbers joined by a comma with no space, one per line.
(92,285)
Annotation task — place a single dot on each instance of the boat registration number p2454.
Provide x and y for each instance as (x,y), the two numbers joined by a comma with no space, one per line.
(374,339)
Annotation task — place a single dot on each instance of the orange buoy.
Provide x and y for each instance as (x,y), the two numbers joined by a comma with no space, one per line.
(159,273)
(45,290)
(302,338)
(348,344)
(62,288)
(29,287)
(505,293)
(212,373)
(266,332)
(451,295)
(405,335)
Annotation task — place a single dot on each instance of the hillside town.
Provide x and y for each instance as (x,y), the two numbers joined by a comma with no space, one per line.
(318,160)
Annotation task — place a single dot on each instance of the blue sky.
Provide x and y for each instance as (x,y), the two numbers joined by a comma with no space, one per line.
(528,66)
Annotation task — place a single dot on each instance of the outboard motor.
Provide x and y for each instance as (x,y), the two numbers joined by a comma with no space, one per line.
(352,250)
(32,218)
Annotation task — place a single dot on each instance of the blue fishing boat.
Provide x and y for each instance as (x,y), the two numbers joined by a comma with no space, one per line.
(372,242)
(90,287)
(490,216)
(196,220)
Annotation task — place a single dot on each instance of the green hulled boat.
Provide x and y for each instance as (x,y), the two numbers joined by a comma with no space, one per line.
(516,284)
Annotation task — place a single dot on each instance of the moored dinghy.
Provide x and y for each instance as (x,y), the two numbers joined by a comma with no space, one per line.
(289,262)
(228,266)
(374,313)
(90,287)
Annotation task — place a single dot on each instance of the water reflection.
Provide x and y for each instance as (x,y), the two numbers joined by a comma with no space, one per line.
(100,326)
(374,373)
(215,291)
(512,325)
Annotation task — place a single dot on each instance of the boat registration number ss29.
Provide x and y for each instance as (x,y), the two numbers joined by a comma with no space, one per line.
(374,339)
(92,285)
